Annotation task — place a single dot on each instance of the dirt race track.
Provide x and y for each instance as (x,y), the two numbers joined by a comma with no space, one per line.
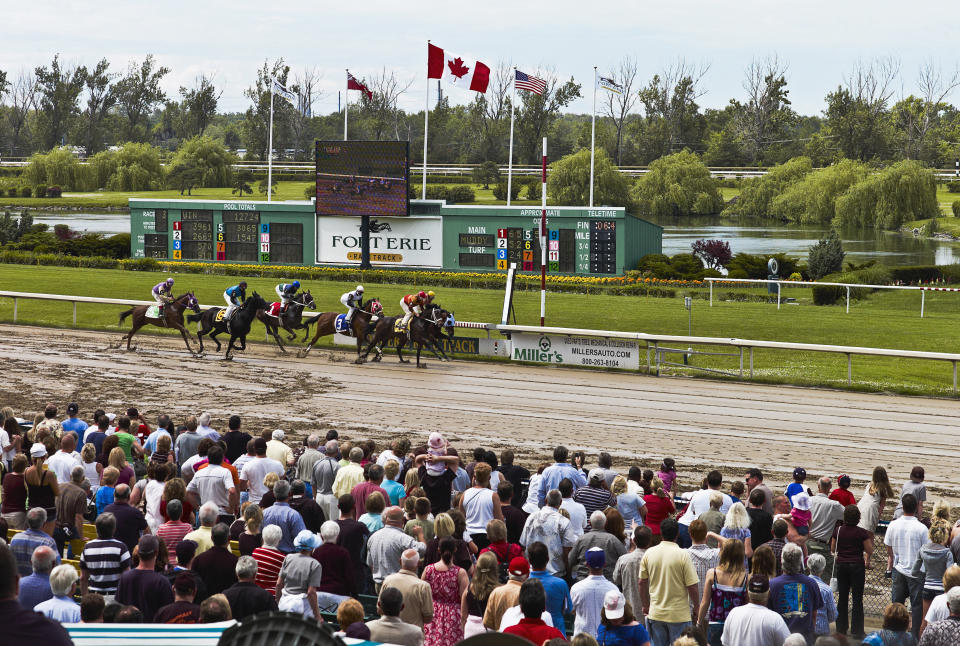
(530,409)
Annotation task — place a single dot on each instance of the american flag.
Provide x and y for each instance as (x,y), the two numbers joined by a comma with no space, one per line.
(529,83)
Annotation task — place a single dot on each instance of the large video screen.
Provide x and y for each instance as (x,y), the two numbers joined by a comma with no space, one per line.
(362,177)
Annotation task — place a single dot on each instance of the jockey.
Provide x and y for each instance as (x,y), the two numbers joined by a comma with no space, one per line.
(430,296)
(286,292)
(412,304)
(234,296)
(163,294)
(353,300)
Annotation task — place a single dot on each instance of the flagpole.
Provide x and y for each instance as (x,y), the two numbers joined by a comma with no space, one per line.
(346,105)
(593,131)
(513,102)
(270,147)
(426,124)
(543,237)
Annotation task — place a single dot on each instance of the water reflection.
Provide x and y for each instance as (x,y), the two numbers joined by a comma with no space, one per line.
(106,223)
(754,237)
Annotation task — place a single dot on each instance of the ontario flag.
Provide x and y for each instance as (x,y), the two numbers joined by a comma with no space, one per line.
(354,84)
(464,73)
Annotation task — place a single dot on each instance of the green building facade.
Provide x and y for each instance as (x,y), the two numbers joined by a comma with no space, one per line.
(580,241)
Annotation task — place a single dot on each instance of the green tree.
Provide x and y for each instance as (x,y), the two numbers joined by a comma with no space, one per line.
(100,100)
(902,192)
(262,187)
(537,112)
(678,184)
(672,119)
(138,92)
(489,115)
(256,123)
(765,116)
(568,182)
(241,183)
(825,257)
(58,167)
(757,193)
(184,175)
(486,173)
(813,199)
(137,168)
(724,148)
(211,161)
(199,105)
(858,116)
(58,90)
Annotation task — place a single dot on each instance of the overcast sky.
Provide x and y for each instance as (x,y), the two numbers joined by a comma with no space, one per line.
(819,40)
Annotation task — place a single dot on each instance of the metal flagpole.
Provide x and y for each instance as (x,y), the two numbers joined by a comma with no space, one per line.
(513,102)
(543,237)
(426,123)
(270,146)
(346,106)
(593,131)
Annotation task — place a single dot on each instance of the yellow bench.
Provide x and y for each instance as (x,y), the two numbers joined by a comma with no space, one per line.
(235,547)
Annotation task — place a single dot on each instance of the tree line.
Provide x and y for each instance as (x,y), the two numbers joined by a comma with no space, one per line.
(866,118)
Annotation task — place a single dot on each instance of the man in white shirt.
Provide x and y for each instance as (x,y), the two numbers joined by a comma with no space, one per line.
(904,538)
(63,461)
(547,526)
(699,503)
(588,594)
(214,483)
(205,430)
(254,471)
(578,513)
(754,624)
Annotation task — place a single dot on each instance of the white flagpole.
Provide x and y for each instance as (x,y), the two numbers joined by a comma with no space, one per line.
(543,236)
(270,147)
(346,104)
(513,102)
(593,131)
(426,123)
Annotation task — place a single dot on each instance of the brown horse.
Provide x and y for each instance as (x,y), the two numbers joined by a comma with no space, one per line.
(290,320)
(172,317)
(359,325)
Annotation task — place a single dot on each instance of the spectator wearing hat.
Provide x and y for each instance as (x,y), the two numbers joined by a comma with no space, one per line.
(74,423)
(826,516)
(668,578)
(246,598)
(560,469)
(532,604)
(390,628)
(278,450)
(618,624)
(506,595)
(23,625)
(144,587)
(597,538)
(795,596)
(24,543)
(795,487)
(323,474)
(842,493)
(754,624)
(254,471)
(300,578)
(183,610)
(596,495)
(587,595)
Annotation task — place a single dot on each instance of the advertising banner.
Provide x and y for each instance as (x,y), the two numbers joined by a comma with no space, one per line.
(405,241)
(575,350)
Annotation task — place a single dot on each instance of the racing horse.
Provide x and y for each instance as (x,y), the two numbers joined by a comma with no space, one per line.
(212,323)
(425,330)
(290,320)
(359,326)
(172,317)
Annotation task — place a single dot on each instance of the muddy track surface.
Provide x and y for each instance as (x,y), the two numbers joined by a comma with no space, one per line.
(638,419)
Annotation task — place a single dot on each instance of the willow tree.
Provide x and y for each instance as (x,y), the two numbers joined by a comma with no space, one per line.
(678,184)
(905,191)
(813,199)
(758,193)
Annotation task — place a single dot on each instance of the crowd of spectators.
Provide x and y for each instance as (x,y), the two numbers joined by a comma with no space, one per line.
(197,526)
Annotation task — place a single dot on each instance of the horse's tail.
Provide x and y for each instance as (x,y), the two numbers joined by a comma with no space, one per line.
(193,318)
(124,315)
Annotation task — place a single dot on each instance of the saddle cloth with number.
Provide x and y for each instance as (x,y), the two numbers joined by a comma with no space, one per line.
(341,325)
(274,310)
(153,312)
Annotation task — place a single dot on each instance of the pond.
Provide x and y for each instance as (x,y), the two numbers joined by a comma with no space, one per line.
(105,223)
(758,237)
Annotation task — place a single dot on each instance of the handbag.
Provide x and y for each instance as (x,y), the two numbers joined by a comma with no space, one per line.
(834,584)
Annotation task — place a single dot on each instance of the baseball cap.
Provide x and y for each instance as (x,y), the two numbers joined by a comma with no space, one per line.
(186,550)
(596,558)
(596,474)
(148,545)
(758,583)
(38,450)
(519,566)
(613,604)
(799,472)
(305,540)
(72,408)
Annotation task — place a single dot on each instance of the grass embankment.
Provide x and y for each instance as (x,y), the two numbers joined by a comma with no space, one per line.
(888,320)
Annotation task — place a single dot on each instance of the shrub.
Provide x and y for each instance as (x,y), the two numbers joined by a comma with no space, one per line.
(534,189)
(953,186)
(54,191)
(918,274)
(825,257)
(137,169)
(15,191)
(486,173)
(39,190)
(956,208)
(750,266)
(828,295)
(461,194)
(904,191)
(437,192)
(568,183)
(757,194)
(675,185)
(310,192)
(25,191)
(140,264)
(500,190)
(57,166)
(795,276)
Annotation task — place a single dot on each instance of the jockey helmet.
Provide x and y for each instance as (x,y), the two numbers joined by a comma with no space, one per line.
(296,284)
(170,281)
(242,283)
(431,294)
(359,289)
(422,295)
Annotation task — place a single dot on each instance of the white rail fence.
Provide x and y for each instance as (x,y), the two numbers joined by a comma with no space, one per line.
(793,283)
(654,343)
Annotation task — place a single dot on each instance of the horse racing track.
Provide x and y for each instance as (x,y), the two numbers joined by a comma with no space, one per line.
(701,423)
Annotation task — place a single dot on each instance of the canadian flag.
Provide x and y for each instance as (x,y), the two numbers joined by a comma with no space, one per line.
(464,73)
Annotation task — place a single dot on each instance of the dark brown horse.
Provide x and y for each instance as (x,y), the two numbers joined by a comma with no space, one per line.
(290,320)
(239,327)
(326,321)
(172,317)
(425,330)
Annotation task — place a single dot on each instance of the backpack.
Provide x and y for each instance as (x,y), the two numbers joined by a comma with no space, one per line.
(513,551)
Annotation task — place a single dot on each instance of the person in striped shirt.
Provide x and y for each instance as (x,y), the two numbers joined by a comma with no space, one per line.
(103,559)
(172,532)
(269,558)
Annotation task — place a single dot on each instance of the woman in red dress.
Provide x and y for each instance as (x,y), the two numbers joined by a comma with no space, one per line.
(447,584)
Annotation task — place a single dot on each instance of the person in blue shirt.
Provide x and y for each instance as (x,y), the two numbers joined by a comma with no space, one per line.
(618,626)
(556,589)
(234,296)
(62,607)
(552,475)
(394,489)
(35,588)
(286,292)
(73,423)
(795,487)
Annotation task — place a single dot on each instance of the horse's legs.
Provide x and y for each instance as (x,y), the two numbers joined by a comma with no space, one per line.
(133,330)
(183,333)
(419,349)
(401,341)
(230,346)
(200,333)
(290,332)
(273,331)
